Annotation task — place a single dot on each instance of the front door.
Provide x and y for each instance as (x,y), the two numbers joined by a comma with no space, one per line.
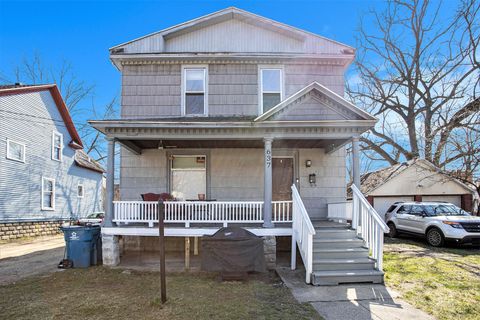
(282,179)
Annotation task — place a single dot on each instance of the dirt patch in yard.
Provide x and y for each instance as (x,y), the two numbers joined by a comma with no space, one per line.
(444,282)
(102,293)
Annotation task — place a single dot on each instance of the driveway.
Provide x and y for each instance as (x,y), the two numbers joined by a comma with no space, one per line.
(23,259)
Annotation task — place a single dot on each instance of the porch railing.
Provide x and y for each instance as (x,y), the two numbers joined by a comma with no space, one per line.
(302,234)
(369,226)
(188,212)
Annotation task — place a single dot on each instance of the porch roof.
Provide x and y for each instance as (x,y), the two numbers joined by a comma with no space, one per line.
(230,132)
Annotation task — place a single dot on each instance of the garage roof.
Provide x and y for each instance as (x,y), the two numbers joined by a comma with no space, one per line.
(371,181)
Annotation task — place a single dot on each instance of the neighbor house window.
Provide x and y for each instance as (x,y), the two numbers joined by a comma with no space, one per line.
(15,150)
(194,91)
(57,146)
(271,84)
(48,194)
(80,190)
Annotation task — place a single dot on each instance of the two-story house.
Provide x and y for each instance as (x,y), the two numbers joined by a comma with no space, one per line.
(45,176)
(242,120)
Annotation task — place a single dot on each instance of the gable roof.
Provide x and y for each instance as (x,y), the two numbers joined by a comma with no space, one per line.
(76,142)
(223,15)
(82,159)
(322,90)
(371,181)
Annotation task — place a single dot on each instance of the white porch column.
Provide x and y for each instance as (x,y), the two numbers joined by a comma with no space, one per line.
(110,183)
(356,161)
(267,184)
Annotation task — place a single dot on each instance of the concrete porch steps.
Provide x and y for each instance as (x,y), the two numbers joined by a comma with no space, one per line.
(339,256)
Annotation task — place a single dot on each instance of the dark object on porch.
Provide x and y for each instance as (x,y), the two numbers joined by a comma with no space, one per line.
(156,197)
(232,250)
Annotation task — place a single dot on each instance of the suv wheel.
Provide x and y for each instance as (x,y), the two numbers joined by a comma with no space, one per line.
(435,237)
(393,233)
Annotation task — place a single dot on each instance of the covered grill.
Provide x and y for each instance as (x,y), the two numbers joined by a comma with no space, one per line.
(233,249)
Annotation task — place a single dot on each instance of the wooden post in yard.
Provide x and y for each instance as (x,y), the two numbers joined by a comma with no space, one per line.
(161,233)
(187,253)
(195,246)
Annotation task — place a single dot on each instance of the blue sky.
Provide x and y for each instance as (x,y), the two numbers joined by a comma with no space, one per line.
(81,32)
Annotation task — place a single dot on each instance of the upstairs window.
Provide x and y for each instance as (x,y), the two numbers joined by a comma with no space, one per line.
(15,151)
(48,194)
(57,146)
(80,191)
(194,91)
(271,84)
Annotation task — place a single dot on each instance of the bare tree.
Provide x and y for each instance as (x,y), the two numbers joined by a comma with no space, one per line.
(465,143)
(77,94)
(74,91)
(95,144)
(417,72)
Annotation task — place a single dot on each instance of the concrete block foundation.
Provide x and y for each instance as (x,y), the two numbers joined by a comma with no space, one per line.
(270,251)
(110,250)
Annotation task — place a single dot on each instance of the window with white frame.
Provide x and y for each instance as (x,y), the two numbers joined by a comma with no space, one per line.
(80,190)
(48,194)
(194,91)
(271,84)
(57,146)
(15,150)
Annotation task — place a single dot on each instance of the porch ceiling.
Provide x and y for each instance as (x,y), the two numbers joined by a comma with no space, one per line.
(277,143)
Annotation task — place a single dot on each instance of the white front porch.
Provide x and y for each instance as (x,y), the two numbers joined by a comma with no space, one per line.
(198,218)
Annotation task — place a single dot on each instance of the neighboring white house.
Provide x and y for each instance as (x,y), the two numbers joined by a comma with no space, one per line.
(45,176)
(415,180)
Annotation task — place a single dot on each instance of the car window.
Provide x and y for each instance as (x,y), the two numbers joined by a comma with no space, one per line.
(392,207)
(444,210)
(404,209)
(417,210)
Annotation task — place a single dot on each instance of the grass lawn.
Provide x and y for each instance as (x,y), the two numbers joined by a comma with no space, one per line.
(101,293)
(444,282)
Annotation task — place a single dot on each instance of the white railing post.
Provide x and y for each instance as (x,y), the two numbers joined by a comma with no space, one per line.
(355,212)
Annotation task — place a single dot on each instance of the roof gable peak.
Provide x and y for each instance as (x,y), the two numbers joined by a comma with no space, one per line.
(230,13)
(318,92)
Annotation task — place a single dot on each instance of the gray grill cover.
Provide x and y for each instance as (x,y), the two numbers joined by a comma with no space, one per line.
(233,249)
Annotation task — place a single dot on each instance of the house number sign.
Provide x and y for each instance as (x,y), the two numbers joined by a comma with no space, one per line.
(268,157)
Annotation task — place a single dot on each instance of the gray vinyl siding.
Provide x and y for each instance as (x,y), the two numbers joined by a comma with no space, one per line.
(144,173)
(31,118)
(153,91)
(297,76)
(237,175)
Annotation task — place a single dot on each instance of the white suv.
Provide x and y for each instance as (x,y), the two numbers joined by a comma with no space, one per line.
(438,221)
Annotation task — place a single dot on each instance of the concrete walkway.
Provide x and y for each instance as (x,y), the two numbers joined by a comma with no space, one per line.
(22,259)
(356,301)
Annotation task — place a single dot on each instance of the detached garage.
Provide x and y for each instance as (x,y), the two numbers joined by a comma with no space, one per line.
(415,180)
